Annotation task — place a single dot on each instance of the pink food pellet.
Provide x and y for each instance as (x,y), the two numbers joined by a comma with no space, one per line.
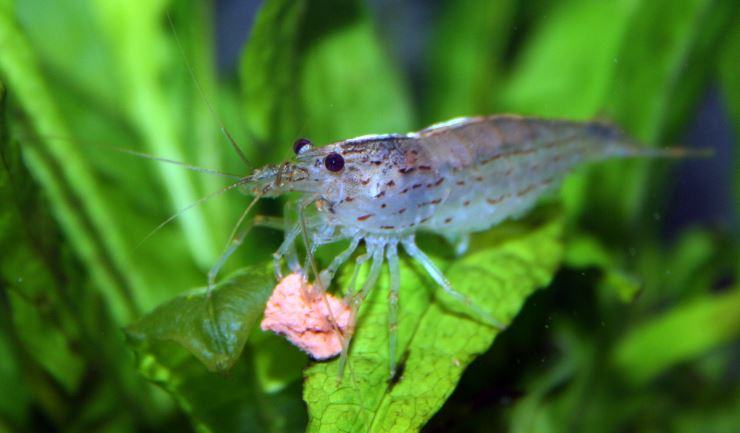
(306,322)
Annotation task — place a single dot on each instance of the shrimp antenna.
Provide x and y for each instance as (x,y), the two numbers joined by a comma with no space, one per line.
(239,222)
(241,182)
(203,95)
(177,163)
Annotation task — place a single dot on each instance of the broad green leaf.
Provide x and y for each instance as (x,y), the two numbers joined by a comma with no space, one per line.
(212,326)
(437,337)
(679,335)
(560,72)
(215,331)
(464,67)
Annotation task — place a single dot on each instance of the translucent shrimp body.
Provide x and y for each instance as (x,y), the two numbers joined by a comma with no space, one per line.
(454,178)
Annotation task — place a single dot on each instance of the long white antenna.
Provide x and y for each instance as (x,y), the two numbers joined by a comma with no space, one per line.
(225,131)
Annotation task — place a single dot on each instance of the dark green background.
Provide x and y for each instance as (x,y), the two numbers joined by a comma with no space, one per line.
(637,332)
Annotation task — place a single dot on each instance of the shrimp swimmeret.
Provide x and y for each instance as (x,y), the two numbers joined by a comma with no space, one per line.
(452,179)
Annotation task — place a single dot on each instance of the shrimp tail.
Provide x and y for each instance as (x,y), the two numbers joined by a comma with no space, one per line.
(673,152)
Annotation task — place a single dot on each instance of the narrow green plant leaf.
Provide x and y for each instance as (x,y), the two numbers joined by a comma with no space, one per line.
(214,327)
(702,324)
(59,167)
(438,337)
(653,103)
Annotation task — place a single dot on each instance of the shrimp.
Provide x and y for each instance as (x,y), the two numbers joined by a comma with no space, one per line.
(452,179)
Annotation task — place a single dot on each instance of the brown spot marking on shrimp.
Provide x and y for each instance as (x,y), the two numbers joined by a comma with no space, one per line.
(499,136)
(478,178)
(404,191)
(448,220)
(391,183)
(557,157)
(507,172)
(410,156)
(460,182)
(546,182)
(439,182)
(387,227)
(535,167)
(406,170)
(431,202)
(402,210)
(423,220)
(382,206)
(416,185)
(376,162)
(424,167)
(380,194)
(364,217)
(525,191)
(498,199)
(365,181)
(348,199)
(466,203)
(521,152)
(493,158)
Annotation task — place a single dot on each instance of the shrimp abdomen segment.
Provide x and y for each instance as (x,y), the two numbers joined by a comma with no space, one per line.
(503,164)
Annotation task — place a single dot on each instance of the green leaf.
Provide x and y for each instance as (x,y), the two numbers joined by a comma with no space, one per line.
(685,332)
(341,102)
(437,337)
(465,66)
(559,72)
(298,81)
(59,166)
(583,251)
(268,71)
(214,327)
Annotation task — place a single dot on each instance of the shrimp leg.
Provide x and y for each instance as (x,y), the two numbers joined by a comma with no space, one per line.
(376,253)
(285,250)
(393,295)
(410,246)
(327,275)
(236,241)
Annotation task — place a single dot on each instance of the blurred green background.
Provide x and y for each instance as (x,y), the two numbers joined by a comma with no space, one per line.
(638,331)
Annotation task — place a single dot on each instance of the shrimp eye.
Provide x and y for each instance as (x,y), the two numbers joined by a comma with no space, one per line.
(334,162)
(300,145)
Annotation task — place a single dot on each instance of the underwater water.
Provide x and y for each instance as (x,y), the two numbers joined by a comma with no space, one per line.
(620,291)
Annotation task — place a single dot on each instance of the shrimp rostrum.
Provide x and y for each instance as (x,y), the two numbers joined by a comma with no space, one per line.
(452,179)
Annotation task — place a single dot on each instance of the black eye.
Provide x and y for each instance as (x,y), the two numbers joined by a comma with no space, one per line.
(334,162)
(300,144)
